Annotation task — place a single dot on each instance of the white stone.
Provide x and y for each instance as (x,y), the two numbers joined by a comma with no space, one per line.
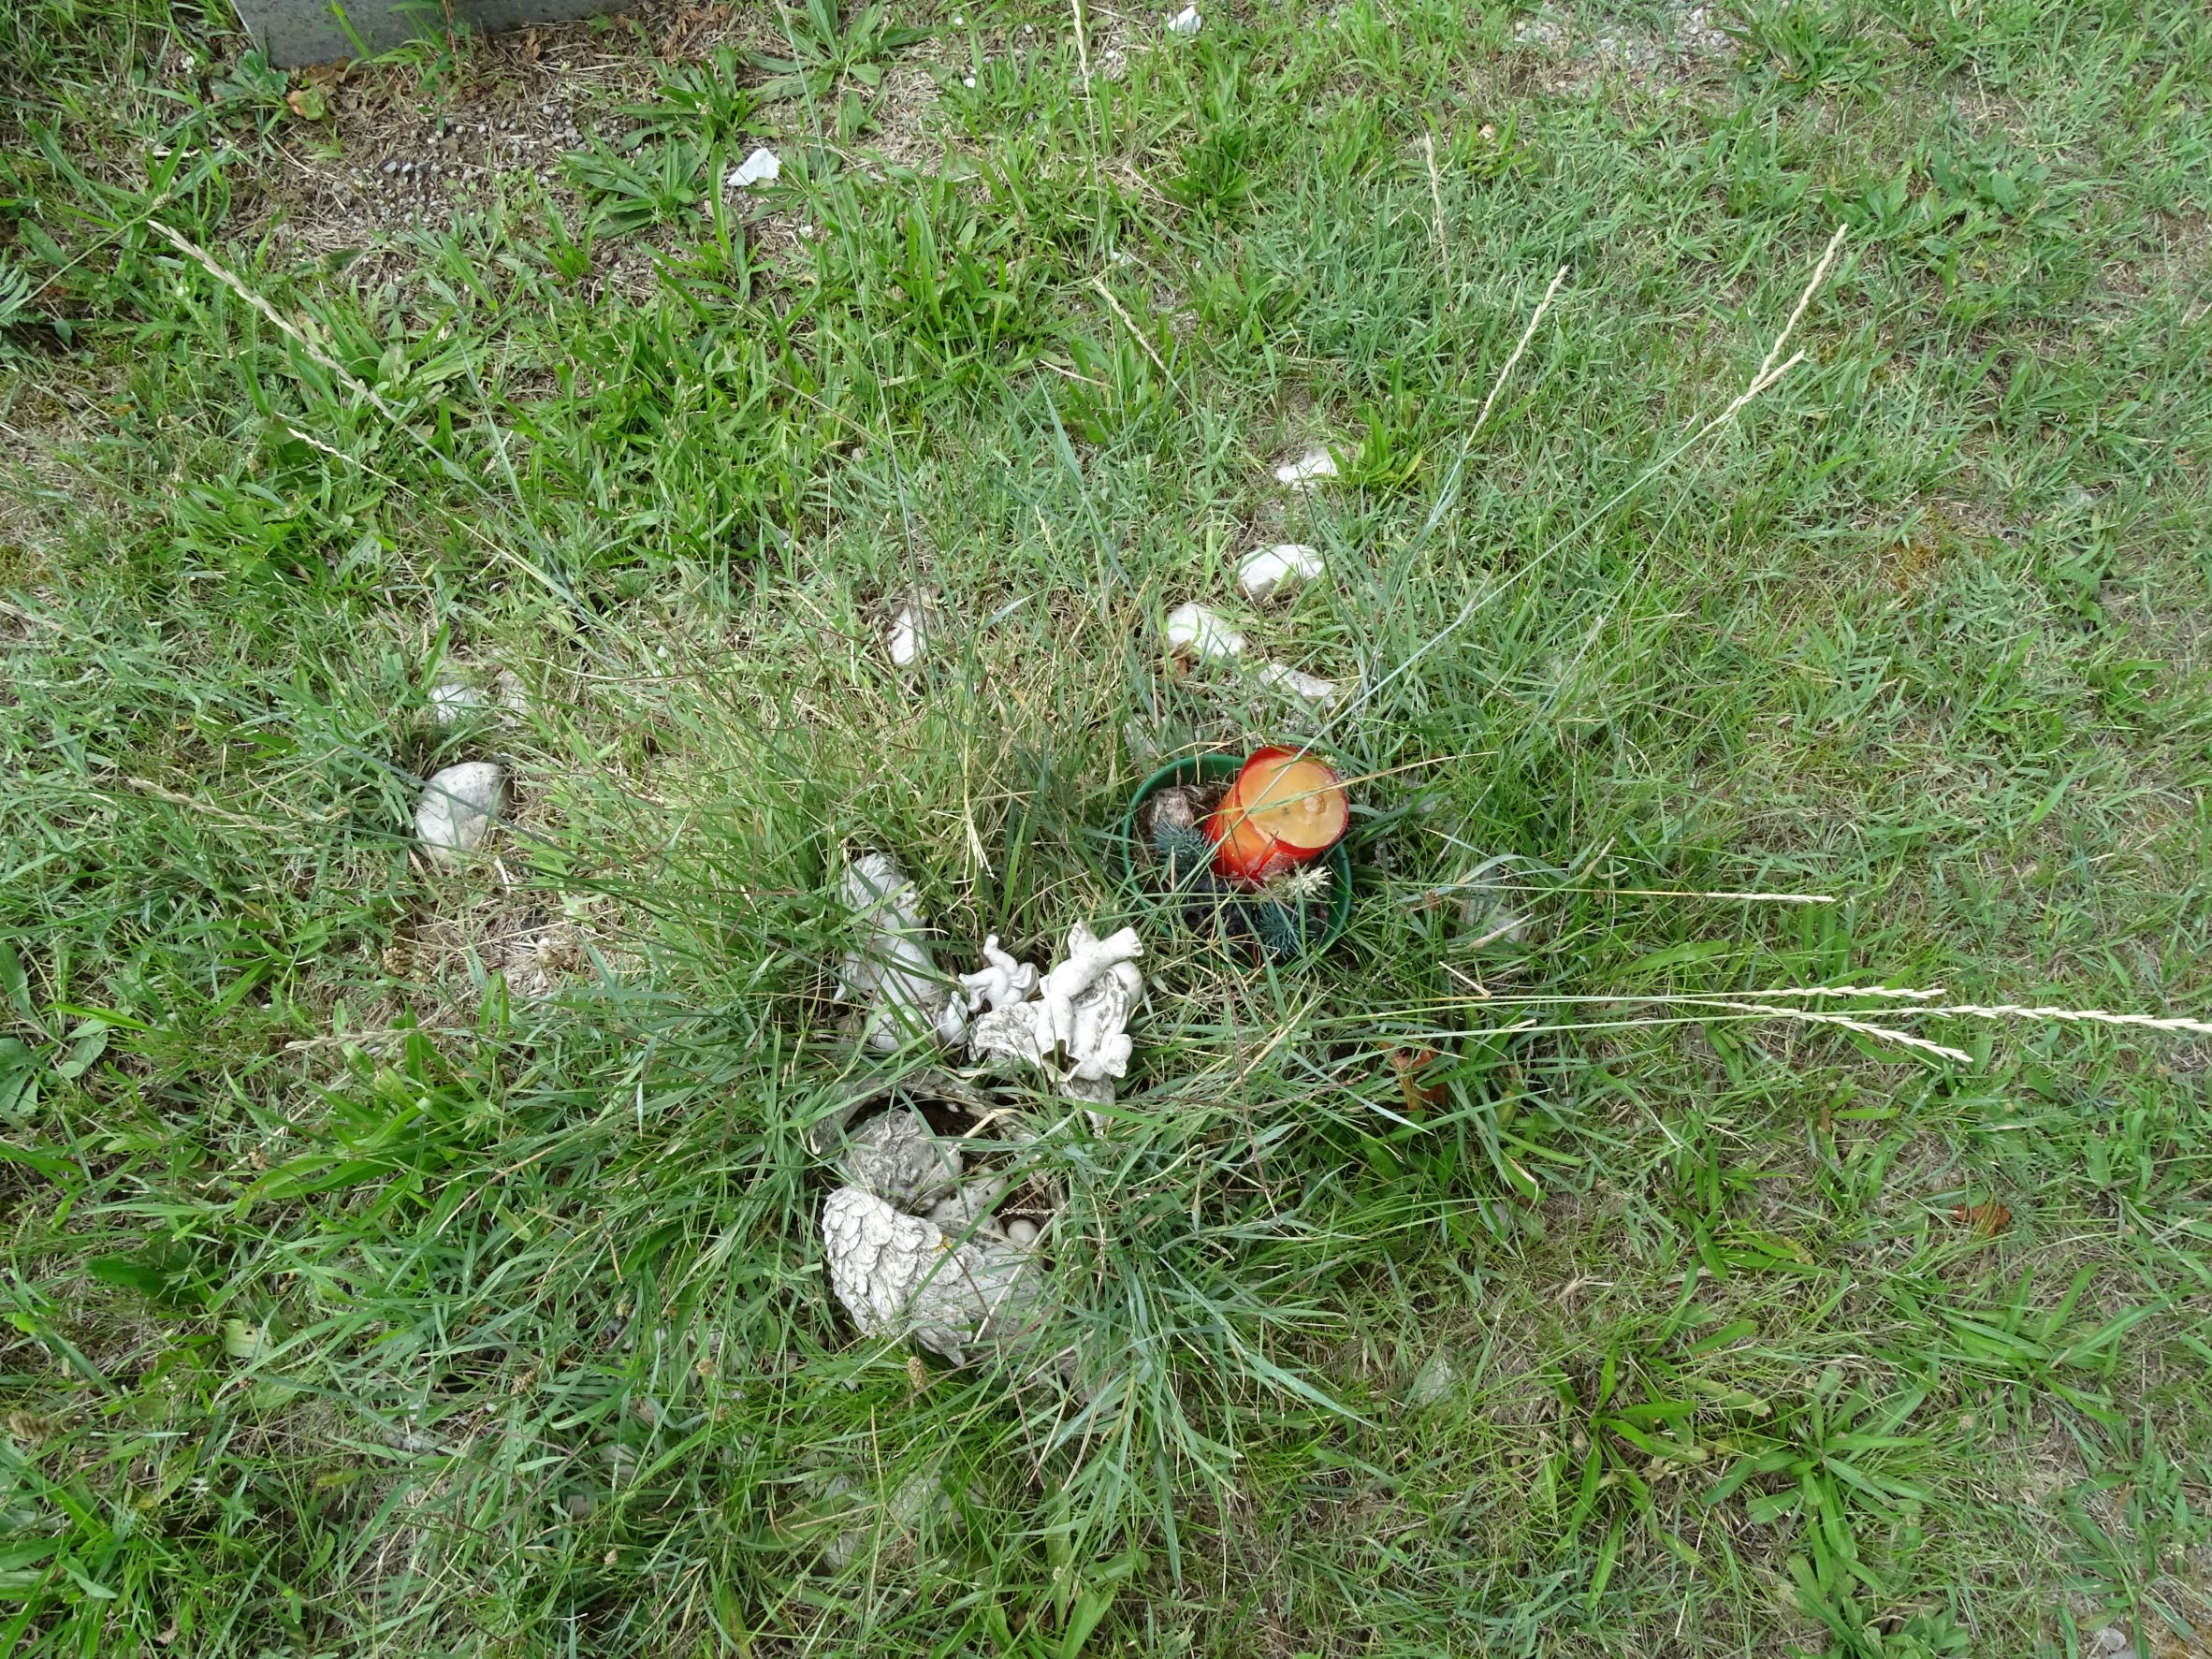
(909,632)
(451,700)
(1311,689)
(460,807)
(1435,1382)
(1020,1232)
(1315,466)
(1185,22)
(900,1275)
(1194,629)
(760,168)
(1266,572)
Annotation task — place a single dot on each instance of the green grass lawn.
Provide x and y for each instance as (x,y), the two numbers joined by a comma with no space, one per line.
(403,1260)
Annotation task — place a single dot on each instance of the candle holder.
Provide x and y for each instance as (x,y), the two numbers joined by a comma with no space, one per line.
(1213,774)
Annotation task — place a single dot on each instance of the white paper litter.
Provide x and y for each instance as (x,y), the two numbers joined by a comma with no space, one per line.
(760,168)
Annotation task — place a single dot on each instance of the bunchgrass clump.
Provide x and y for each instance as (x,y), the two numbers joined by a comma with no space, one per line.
(403,1258)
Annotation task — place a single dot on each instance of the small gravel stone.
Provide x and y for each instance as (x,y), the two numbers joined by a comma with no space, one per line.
(1020,1232)
(908,636)
(450,699)
(1307,687)
(1314,467)
(1434,1383)
(460,807)
(1196,630)
(1266,572)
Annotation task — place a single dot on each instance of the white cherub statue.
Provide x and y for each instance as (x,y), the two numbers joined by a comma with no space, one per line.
(1001,982)
(1073,1028)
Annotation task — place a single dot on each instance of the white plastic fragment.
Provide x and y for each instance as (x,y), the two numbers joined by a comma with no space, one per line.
(1305,686)
(1266,572)
(909,632)
(760,168)
(458,808)
(893,969)
(1196,630)
(1185,22)
(1315,466)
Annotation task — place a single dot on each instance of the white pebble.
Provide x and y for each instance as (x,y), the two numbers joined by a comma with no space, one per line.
(760,168)
(460,807)
(967,80)
(451,700)
(1266,572)
(960,21)
(1194,629)
(1313,690)
(1308,470)
(1020,1232)
(1185,22)
(909,632)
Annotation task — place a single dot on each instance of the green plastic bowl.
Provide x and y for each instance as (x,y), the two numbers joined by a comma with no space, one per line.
(1216,767)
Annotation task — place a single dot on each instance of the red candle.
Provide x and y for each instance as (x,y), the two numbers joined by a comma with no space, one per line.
(1286,808)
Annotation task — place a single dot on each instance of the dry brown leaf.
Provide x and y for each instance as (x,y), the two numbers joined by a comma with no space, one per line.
(1420,1078)
(1986,1220)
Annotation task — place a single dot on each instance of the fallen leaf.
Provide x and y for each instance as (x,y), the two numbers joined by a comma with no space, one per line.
(1420,1079)
(1986,1221)
(309,103)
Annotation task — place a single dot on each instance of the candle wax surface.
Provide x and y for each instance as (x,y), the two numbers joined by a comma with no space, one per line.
(1284,810)
(1298,802)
